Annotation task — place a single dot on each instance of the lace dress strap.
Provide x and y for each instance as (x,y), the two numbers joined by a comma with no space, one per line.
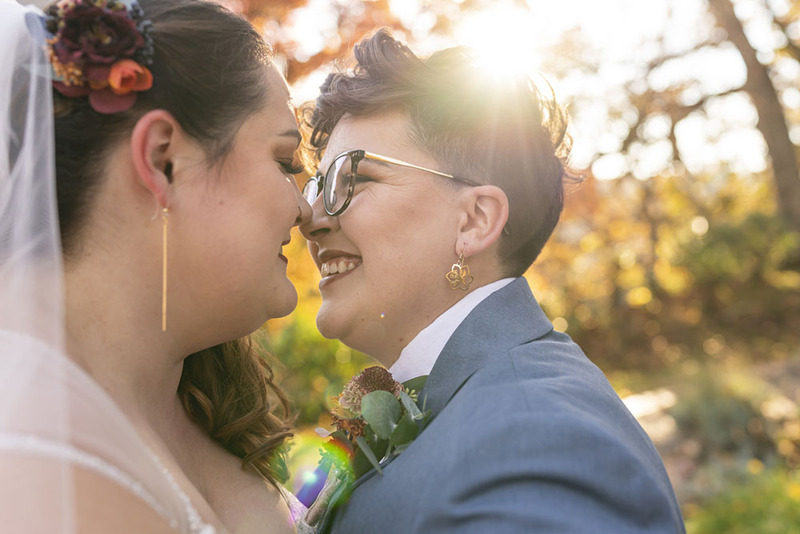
(33,445)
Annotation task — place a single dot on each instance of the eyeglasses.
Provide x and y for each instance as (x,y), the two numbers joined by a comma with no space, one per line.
(339,181)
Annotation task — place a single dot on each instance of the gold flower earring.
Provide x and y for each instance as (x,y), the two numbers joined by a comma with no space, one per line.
(164,225)
(459,276)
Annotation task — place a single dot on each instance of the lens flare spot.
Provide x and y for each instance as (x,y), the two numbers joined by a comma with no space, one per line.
(560,324)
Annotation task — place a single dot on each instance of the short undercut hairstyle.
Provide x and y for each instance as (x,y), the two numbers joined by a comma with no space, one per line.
(505,133)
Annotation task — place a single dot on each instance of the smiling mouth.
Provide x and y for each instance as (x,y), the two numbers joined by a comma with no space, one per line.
(338,266)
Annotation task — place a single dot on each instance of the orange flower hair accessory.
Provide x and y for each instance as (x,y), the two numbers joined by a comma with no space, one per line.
(100,49)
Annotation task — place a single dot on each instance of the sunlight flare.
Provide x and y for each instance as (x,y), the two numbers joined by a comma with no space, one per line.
(504,37)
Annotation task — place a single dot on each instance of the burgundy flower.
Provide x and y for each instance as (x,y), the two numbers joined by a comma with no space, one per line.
(97,34)
(97,76)
(106,101)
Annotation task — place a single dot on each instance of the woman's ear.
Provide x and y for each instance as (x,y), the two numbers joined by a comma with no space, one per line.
(484,217)
(153,146)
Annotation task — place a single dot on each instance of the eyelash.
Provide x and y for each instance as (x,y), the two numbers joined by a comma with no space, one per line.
(360,179)
(291,167)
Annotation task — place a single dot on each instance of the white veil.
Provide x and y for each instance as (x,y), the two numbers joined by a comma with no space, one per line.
(54,418)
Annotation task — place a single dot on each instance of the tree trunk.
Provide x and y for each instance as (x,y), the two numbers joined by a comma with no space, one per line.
(771,118)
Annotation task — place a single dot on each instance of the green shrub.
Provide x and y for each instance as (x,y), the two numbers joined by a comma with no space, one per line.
(768,503)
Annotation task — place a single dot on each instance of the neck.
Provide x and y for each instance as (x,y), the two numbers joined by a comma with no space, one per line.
(388,348)
(113,332)
(391,339)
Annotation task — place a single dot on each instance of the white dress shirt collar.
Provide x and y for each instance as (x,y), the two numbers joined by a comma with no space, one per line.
(418,357)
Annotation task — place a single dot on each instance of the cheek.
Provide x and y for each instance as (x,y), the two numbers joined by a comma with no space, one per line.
(223,243)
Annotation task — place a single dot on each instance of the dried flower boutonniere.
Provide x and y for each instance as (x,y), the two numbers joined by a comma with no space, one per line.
(376,418)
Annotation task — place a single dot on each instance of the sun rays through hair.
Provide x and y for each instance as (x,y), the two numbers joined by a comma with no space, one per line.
(503,131)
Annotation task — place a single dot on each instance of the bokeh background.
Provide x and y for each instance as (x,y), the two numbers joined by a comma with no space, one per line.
(676,265)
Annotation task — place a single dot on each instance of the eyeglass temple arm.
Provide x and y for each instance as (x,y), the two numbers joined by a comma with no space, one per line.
(387,159)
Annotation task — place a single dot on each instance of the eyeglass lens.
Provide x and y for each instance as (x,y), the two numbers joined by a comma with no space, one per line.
(337,184)
(311,190)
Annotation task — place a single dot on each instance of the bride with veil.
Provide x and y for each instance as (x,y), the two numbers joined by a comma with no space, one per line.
(144,204)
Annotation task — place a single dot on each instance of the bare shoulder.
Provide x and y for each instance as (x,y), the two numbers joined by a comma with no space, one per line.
(41,495)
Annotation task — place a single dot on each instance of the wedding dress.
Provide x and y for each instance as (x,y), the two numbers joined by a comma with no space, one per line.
(94,438)
(51,411)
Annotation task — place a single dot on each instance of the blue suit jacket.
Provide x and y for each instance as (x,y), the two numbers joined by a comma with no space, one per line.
(527,436)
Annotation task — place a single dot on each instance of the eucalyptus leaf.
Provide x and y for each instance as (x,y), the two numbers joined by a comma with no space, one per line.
(364,447)
(381,410)
(411,407)
(406,430)
(384,448)
(360,465)
(416,384)
(400,448)
(370,436)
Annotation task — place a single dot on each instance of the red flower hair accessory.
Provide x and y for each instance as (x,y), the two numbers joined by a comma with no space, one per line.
(100,49)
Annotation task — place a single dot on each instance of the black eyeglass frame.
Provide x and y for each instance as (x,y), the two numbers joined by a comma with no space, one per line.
(356,156)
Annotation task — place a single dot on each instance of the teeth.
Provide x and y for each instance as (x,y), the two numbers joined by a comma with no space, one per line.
(340,265)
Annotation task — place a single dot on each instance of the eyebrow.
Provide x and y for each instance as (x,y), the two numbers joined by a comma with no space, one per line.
(370,161)
(295,134)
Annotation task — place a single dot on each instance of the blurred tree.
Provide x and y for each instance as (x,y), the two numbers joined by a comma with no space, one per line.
(770,75)
(675,251)
(351,21)
(629,271)
(772,121)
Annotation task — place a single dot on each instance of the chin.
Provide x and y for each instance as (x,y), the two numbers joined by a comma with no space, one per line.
(283,305)
(329,323)
(364,335)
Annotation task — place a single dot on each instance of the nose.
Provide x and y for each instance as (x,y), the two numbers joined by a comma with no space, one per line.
(303,209)
(319,223)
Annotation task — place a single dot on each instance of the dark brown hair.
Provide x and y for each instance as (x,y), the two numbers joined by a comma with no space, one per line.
(209,73)
(505,133)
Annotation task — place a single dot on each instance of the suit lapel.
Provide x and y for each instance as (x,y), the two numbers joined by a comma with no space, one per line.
(505,319)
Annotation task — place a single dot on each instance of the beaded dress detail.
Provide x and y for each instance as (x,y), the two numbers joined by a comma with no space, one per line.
(117,451)
(34,446)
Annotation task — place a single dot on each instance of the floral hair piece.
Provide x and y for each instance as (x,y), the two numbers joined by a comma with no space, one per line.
(100,49)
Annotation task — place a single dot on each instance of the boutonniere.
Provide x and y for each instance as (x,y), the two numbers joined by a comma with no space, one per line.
(376,418)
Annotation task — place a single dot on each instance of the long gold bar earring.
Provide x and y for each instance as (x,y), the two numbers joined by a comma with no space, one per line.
(164,225)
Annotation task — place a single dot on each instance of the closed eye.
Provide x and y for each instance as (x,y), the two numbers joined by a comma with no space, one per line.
(291,167)
(362,179)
